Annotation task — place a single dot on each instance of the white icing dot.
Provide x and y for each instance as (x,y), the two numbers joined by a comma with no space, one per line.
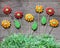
(18,14)
(50,10)
(7,9)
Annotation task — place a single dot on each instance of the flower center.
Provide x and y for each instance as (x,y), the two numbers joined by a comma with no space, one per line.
(38,8)
(7,9)
(18,14)
(50,10)
(29,17)
(54,22)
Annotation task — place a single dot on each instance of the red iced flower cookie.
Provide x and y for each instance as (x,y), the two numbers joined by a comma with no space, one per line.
(7,10)
(18,15)
(50,11)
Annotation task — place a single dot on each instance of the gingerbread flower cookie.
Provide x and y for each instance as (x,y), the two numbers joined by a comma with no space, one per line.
(6,24)
(50,11)
(7,10)
(18,15)
(29,17)
(54,23)
(39,9)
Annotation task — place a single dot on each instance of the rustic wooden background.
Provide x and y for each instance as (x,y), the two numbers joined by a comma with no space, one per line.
(28,6)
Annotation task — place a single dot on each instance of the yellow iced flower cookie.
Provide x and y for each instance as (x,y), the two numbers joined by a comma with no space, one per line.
(54,23)
(39,9)
(29,17)
(5,24)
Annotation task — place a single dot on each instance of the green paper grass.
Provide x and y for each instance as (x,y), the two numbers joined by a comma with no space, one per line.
(25,41)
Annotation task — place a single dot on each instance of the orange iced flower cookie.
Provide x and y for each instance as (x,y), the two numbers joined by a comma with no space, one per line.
(54,23)
(29,17)
(39,9)
(5,24)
